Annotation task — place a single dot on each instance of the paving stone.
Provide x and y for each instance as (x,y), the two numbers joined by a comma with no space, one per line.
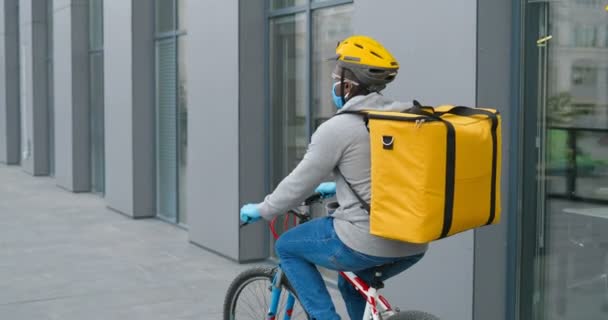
(66,256)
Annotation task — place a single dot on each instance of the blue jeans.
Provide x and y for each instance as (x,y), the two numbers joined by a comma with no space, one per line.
(316,243)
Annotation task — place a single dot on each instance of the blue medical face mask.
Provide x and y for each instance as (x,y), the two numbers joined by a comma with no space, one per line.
(337,99)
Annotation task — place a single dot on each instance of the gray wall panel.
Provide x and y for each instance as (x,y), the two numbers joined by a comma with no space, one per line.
(81,153)
(40,93)
(436,48)
(252,115)
(144,170)
(118,105)
(9,83)
(213,158)
(3,82)
(129,103)
(62,79)
(34,108)
(72,134)
(493,90)
(26,84)
(61,4)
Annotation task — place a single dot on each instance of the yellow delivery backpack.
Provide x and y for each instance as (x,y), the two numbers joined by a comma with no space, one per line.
(435,172)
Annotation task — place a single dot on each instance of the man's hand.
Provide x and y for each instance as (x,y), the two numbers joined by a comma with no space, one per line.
(327,189)
(250,213)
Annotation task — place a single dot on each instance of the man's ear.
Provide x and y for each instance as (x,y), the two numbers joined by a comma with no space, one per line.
(348,87)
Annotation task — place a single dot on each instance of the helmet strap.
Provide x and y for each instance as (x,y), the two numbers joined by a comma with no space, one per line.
(342,86)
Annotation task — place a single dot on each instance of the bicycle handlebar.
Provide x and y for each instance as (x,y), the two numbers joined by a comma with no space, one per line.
(308,201)
(312,199)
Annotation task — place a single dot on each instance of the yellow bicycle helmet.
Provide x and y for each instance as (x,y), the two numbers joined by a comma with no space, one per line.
(373,65)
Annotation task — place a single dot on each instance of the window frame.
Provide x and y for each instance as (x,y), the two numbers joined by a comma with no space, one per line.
(308,10)
(271,14)
(96,51)
(176,33)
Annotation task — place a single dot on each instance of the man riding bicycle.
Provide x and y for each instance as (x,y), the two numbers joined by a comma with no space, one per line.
(340,146)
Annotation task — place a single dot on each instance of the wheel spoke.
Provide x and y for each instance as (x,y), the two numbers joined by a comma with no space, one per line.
(253,297)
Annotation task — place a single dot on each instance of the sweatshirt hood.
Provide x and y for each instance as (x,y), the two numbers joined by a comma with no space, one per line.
(374,101)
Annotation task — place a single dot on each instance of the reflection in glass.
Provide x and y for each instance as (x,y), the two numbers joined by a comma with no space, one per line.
(287,93)
(97,123)
(330,25)
(181,14)
(182,105)
(165,15)
(172,111)
(166,128)
(50,98)
(280,4)
(96,99)
(572,254)
(95,24)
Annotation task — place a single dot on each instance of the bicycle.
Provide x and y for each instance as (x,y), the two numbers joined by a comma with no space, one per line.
(263,282)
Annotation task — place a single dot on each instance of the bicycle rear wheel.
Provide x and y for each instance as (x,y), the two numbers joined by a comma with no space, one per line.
(249,295)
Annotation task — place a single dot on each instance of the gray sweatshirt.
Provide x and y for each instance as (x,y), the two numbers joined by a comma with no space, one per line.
(341,142)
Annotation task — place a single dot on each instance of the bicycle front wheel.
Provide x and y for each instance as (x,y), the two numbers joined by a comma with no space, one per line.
(249,297)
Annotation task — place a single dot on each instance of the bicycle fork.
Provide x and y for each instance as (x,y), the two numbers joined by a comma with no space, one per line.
(276,295)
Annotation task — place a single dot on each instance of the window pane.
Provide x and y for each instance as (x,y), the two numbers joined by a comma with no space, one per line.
(183,126)
(166,128)
(97,123)
(330,25)
(287,92)
(567,115)
(165,18)
(181,14)
(279,4)
(95,24)
(50,98)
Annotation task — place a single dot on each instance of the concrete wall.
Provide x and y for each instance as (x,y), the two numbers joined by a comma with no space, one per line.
(71,98)
(129,106)
(435,44)
(34,115)
(144,165)
(9,82)
(227,110)
(118,97)
(253,242)
(213,82)
(494,67)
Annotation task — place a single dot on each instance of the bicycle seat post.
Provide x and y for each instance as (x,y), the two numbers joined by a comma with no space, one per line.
(376,282)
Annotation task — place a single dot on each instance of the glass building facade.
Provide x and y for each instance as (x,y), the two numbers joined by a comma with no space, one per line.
(171,110)
(565,134)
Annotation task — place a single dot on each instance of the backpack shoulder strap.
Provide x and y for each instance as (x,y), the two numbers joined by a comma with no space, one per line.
(364,205)
(363,114)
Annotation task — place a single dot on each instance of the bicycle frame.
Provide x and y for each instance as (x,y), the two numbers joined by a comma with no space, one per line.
(375,303)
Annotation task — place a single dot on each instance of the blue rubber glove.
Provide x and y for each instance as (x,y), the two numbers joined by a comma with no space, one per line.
(250,213)
(327,189)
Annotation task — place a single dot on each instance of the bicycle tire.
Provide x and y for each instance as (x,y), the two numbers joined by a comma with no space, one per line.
(245,280)
(412,315)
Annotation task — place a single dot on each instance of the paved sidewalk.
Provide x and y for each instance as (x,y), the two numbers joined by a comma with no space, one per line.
(66,256)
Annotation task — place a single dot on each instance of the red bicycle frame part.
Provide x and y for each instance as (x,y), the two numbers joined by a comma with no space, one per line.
(363,289)
(353,279)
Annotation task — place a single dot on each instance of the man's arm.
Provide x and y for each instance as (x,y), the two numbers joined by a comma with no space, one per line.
(323,154)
